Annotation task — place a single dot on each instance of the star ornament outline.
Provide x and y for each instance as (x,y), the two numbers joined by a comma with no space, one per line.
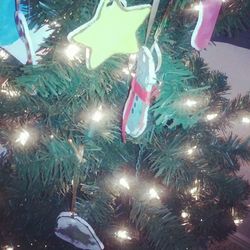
(111,31)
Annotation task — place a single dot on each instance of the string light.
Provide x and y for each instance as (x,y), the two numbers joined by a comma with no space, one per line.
(3,54)
(238,221)
(197,7)
(8,248)
(184,215)
(71,51)
(10,93)
(98,115)
(55,24)
(124,183)
(194,191)
(126,71)
(191,150)
(245,120)
(132,58)
(211,116)
(153,194)
(190,103)
(5,89)
(123,235)
(23,137)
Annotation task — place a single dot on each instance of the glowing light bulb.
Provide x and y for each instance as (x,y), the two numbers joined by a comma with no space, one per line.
(132,57)
(125,71)
(193,190)
(3,54)
(71,51)
(190,103)
(197,7)
(123,235)
(124,183)
(23,137)
(184,215)
(191,150)
(55,24)
(246,120)
(98,115)
(211,116)
(153,194)
(10,93)
(8,248)
(238,221)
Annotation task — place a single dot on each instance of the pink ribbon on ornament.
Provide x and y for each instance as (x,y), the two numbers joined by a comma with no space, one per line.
(144,95)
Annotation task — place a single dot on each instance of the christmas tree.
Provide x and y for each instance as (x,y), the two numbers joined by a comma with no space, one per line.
(90,127)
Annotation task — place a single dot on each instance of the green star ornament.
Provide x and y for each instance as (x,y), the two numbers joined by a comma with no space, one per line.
(111,31)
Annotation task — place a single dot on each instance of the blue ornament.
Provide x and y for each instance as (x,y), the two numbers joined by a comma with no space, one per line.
(8,28)
(15,36)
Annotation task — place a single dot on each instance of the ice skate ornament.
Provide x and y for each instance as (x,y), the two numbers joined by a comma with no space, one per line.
(143,88)
(208,15)
(15,36)
(76,231)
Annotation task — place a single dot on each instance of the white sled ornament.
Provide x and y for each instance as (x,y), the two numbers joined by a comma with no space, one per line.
(77,231)
(143,88)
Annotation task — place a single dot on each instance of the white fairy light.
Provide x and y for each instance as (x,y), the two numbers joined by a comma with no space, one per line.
(125,71)
(184,214)
(132,58)
(191,150)
(238,221)
(197,7)
(123,235)
(190,103)
(124,183)
(8,248)
(71,51)
(211,116)
(10,93)
(55,24)
(3,54)
(245,120)
(193,190)
(153,194)
(23,137)
(98,115)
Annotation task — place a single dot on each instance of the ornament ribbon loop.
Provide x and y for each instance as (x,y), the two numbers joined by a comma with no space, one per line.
(155,47)
(153,13)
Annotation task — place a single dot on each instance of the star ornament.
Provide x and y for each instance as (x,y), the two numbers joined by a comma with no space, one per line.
(111,31)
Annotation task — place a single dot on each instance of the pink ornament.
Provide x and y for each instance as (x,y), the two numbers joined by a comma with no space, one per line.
(208,14)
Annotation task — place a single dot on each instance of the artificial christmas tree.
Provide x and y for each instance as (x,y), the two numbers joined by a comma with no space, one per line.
(174,186)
